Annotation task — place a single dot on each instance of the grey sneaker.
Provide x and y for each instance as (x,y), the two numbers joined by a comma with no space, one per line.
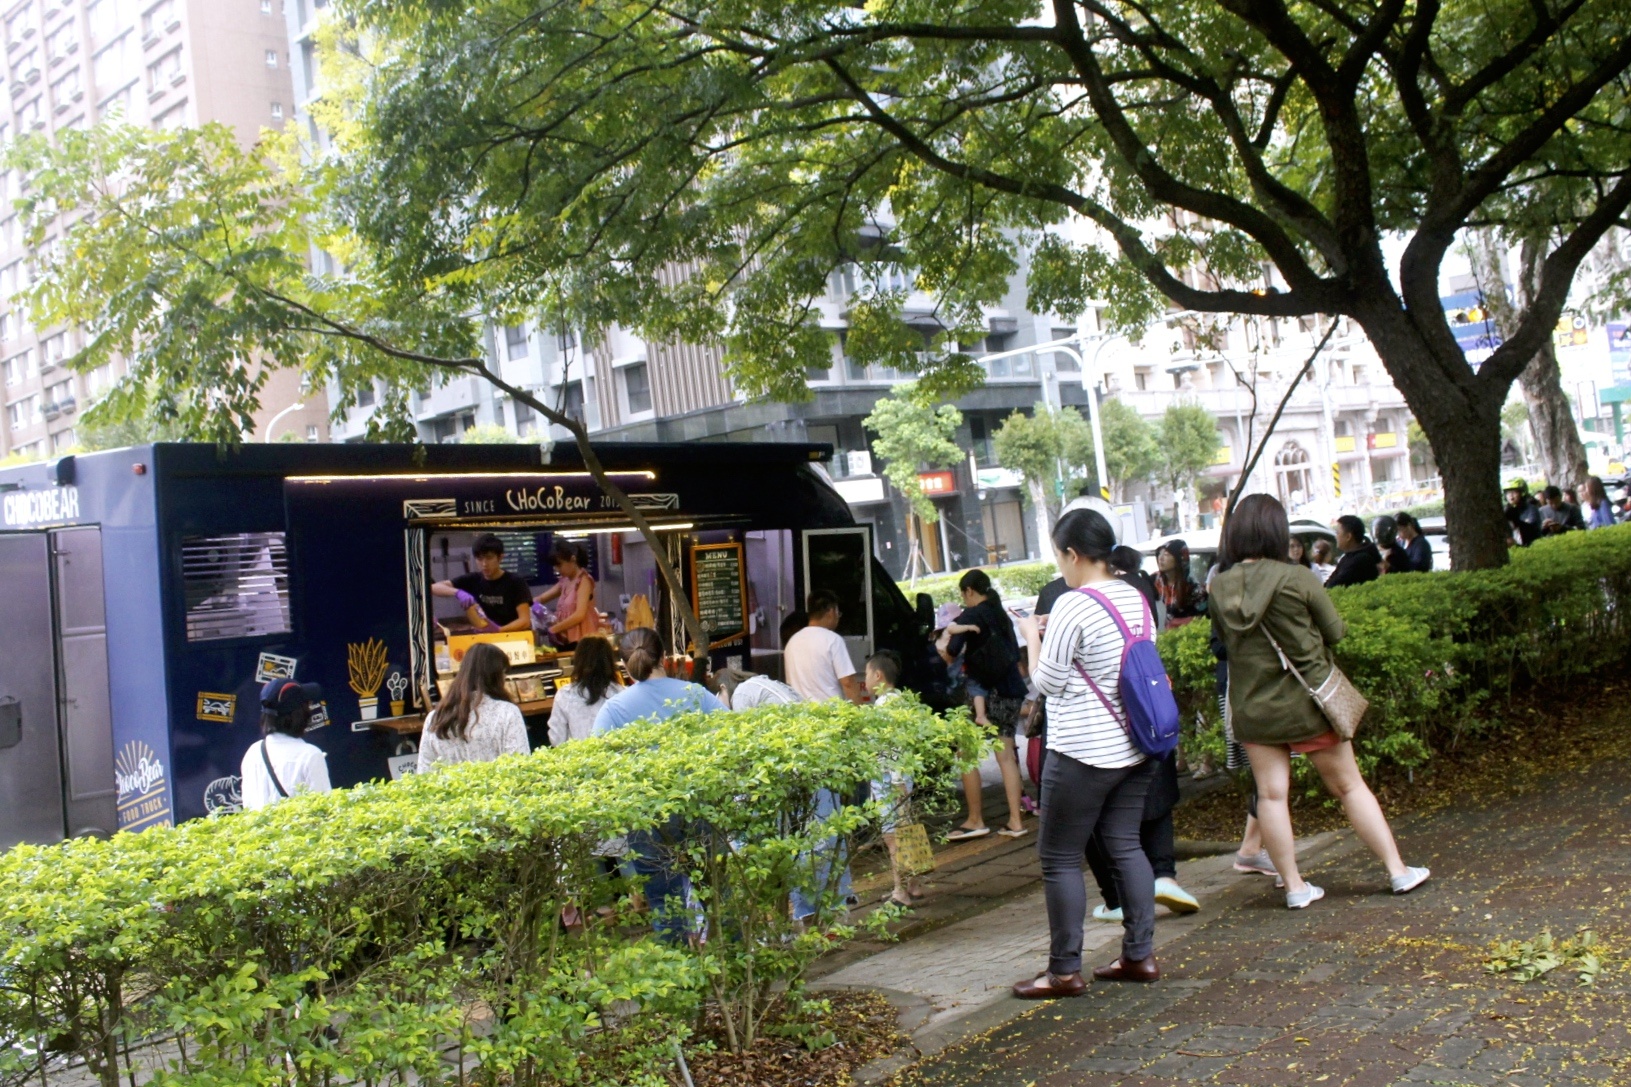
(1258,864)
(1297,900)
(1409,880)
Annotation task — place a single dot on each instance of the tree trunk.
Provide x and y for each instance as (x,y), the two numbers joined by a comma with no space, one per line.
(1551,419)
(1461,417)
(1468,452)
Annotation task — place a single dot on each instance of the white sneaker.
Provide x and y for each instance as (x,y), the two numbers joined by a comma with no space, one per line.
(1101,913)
(1409,880)
(1174,897)
(1298,900)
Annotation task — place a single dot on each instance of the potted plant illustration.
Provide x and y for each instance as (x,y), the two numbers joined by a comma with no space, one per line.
(366,663)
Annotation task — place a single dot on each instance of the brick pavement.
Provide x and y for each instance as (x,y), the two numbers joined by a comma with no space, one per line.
(1363,989)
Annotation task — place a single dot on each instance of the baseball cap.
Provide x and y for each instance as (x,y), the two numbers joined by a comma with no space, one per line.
(284,695)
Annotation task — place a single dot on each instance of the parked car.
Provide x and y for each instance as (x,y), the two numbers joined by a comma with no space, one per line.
(1438,539)
(1203,545)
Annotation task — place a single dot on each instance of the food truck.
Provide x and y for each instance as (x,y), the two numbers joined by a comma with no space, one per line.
(153,590)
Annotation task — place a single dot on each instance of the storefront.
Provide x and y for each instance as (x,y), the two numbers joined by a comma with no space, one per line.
(167,583)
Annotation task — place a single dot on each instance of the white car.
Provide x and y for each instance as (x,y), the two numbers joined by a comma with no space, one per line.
(1203,546)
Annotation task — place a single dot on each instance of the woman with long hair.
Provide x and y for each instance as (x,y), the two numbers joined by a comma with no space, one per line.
(594,680)
(1264,606)
(983,637)
(476,721)
(1297,553)
(1599,510)
(1183,598)
(1095,780)
(574,593)
(653,696)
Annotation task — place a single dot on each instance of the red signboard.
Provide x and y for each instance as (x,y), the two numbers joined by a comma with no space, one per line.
(934,483)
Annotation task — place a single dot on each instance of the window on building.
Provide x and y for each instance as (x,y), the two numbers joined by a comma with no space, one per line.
(16,368)
(312,433)
(162,72)
(171,119)
(28,116)
(62,41)
(266,7)
(159,18)
(277,111)
(980,438)
(112,66)
(25,68)
(54,349)
(116,105)
(572,400)
(365,396)
(526,420)
(515,341)
(59,392)
(66,91)
(271,58)
(21,26)
(1063,362)
(236,586)
(108,18)
(24,412)
(566,340)
(62,440)
(637,388)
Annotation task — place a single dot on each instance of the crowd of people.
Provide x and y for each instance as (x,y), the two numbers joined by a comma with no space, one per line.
(1102,801)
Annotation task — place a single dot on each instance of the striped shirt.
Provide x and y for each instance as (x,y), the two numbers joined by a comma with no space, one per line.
(1081,632)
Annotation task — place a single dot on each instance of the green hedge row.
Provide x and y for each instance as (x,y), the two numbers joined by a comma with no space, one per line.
(1430,650)
(409,931)
(1020,580)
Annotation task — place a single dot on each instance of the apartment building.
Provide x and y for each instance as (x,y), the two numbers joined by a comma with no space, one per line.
(162,63)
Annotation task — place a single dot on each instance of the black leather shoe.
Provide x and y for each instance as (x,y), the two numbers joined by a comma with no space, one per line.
(1050,987)
(1141,970)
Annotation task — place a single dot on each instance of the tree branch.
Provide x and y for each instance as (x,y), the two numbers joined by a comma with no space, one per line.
(1274,421)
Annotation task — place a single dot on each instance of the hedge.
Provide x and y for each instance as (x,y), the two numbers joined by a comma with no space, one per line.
(409,931)
(1432,651)
(1020,580)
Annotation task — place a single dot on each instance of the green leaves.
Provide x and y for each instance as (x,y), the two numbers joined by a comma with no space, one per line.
(914,433)
(1531,960)
(357,935)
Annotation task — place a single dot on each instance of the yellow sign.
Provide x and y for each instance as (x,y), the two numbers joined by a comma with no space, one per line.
(1385,440)
(213,706)
(1345,444)
(1225,455)
(516,644)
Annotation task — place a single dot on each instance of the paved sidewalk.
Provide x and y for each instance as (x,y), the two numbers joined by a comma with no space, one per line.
(1362,989)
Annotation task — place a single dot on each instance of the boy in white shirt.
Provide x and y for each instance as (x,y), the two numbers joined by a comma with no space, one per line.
(281,764)
(891,790)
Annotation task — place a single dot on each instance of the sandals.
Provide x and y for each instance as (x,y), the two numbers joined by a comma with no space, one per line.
(966,834)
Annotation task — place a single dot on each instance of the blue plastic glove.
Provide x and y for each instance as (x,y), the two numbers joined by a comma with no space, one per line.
(465,600)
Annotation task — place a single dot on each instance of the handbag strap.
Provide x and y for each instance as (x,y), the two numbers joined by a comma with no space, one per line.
(1285,662)
(276,784)
(1121,624)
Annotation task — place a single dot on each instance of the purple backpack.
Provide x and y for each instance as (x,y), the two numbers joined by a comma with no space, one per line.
(1151,720)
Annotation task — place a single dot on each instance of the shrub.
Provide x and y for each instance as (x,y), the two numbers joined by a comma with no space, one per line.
(1020,580)
(409,930)
(1430,650)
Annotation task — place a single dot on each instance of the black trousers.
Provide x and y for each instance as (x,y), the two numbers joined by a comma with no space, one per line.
(1155,834)
(1080,802)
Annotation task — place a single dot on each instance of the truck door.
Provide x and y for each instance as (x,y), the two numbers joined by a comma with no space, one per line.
(840,561)
(31,795)
(85,715)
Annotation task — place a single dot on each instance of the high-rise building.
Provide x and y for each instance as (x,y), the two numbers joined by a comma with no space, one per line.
(162,63)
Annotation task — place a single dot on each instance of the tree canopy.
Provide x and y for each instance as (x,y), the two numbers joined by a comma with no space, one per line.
(1189,445)
(699,170)
(914,433)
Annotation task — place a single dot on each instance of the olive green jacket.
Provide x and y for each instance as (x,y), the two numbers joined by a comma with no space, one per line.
(1266,703)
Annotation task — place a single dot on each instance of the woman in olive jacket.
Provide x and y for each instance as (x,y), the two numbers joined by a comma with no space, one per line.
(1264,596)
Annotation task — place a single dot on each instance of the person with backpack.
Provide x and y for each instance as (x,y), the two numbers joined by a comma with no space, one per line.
(1111,714)
(983,636)
(1275,618)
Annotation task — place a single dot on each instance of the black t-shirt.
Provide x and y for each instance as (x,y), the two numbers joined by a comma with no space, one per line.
(504,600)
(1049,596)
(993,621)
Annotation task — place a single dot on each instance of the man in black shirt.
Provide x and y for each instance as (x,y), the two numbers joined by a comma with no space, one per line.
(493,599)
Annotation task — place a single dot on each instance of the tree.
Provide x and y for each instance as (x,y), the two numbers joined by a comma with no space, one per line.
(490,434)
(913,433)
(186,255)
(1189,446)
(1550,416)
(1131,451)
(1043,446)
(700,169)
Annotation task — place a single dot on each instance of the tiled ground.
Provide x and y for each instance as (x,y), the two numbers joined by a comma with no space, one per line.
(1364,988)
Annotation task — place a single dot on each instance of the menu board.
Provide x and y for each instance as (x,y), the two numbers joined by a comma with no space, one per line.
(719,591)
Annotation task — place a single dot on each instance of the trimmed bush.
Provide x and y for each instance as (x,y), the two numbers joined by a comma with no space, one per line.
(1020,580)
(1430,650)
(409,931)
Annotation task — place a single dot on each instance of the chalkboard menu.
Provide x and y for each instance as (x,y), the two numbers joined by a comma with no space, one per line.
(719,591)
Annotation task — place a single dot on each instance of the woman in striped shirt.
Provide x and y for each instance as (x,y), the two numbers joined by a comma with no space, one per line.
(1095,780)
